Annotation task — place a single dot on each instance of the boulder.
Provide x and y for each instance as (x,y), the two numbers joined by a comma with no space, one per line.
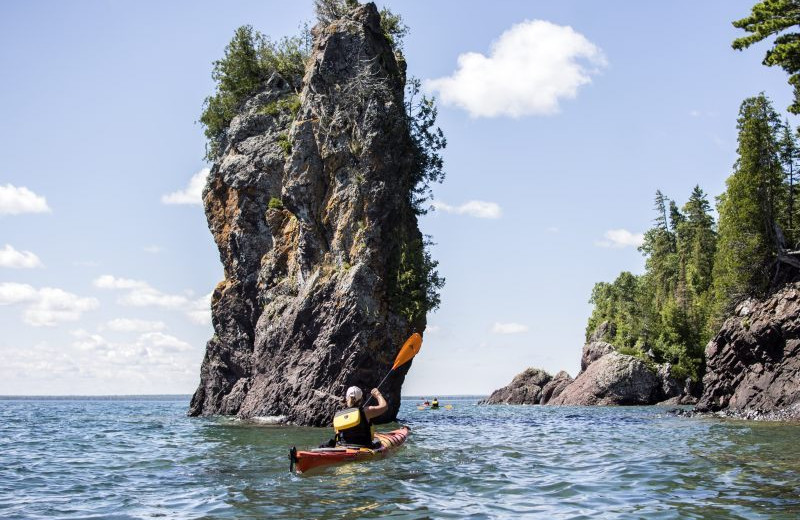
(593,351)
(753,363)
(554,388)
(525,388)
(614,379)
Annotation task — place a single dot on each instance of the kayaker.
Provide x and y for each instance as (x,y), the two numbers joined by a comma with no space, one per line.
(435,402)
(354,425)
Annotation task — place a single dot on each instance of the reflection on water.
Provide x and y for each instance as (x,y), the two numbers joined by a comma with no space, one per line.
(144,459)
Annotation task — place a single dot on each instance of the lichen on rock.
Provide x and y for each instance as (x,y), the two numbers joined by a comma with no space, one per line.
(311,204)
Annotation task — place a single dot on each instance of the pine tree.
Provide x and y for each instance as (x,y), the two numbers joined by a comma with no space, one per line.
(775,17)
(789,153)
(748,209)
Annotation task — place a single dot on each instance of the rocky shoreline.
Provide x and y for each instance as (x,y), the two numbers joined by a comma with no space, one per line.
(607,377)
(753,370)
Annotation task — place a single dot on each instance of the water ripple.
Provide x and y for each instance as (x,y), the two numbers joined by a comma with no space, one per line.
(145,459)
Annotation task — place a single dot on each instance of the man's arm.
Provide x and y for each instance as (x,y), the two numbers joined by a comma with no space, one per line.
(379,409)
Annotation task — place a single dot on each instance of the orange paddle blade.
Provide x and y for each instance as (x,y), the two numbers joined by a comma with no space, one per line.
(408,351)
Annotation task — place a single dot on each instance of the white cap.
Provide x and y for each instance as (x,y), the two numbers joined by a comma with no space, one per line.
(355,393)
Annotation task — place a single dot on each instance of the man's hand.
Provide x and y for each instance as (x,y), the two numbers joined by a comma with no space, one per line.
(375,393)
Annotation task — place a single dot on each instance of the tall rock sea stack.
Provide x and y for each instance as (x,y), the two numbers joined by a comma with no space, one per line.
(312,209)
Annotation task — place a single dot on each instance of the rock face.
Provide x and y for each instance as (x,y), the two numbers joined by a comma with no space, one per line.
(753,363)
(525,388)
(593,351)
(312,215)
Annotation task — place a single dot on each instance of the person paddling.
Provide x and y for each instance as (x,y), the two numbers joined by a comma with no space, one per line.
(435,402)
(354,425)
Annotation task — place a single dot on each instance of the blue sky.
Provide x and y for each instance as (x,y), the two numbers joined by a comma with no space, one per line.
(103,285)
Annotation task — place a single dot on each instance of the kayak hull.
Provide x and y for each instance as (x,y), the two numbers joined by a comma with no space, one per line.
(304,461)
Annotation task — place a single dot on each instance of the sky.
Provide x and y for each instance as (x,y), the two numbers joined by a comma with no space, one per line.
(562,120)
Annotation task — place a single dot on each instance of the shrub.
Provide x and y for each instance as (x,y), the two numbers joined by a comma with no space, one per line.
(285,144)
(275,203)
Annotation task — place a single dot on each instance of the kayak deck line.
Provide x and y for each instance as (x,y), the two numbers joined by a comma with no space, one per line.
(303,461)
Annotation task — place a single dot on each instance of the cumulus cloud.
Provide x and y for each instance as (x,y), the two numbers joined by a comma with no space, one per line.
(47,306)
(138,293)
(10,257)
(473,208)
(200,310)
(617,238)
(192,193)
(17,200)
(151,363)
(530,68)
(11,293)
(134,325)
(509,328)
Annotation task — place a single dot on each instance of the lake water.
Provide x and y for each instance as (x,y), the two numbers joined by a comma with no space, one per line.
(146,459)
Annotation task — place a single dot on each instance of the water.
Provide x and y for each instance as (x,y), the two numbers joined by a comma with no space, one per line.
(146,459)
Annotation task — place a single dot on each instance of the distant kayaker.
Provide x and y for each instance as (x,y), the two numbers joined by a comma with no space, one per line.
(354,425)
(435,402)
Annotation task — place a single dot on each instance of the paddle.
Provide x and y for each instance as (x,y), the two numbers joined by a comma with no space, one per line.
(407,352)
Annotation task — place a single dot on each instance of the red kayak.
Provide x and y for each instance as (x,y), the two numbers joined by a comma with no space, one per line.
(302,461)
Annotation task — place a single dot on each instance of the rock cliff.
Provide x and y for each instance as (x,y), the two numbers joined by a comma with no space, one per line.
(753,363)
(312,212)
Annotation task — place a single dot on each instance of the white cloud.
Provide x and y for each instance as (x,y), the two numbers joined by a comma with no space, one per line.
(108,281)
(153,249)
(509,328)
(17,200)
(11,293)
(140,294)
(157,341)
(47,306)
(200,310)
(192,194)
(152,363)
(10,257)
(552,229)
(134,325)
(473,208)
(617,238)
(531,67)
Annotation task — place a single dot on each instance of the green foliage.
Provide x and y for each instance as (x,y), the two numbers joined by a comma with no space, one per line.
(285,144)
(249,60)
(664,312)
(769,18)
(695,273)
(289,104)
(415,286)
(393,28)
(749,208)
(428,142)
(275,203)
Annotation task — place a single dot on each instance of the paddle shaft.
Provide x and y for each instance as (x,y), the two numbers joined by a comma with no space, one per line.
(379,385)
